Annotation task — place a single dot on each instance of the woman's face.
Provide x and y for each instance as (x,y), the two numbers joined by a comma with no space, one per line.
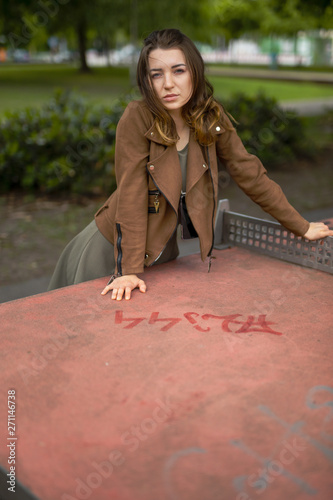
(171,78)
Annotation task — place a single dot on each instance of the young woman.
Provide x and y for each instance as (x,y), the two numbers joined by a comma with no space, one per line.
(167,146)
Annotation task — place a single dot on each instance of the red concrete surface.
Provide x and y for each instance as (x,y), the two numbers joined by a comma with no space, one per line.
(208,387)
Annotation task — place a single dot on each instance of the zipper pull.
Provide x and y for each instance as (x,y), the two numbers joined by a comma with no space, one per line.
(210,262)
(156,204)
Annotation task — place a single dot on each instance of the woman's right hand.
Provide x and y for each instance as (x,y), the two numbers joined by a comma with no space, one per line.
(124,284)
(318,230)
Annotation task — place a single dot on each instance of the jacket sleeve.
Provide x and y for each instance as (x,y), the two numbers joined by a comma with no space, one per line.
(250,175)
(131,156)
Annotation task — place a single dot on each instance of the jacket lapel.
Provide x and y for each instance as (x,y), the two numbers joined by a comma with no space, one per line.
(196,163)
(164,167)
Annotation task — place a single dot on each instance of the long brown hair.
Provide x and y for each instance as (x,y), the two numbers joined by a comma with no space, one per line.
(202,111)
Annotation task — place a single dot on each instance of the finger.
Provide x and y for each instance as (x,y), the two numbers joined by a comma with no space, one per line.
(120,293)
(324,228)
(106,289)
(127,293)
(327,232)
(320,234)
(142,286)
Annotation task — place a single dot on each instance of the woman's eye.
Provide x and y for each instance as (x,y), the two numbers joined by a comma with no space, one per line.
(156,75)
(178,71)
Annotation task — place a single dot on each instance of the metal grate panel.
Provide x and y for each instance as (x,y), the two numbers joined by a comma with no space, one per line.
(270,238)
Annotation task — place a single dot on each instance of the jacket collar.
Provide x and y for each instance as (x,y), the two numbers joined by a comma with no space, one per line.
(197,161)
(153,135)
(168,163)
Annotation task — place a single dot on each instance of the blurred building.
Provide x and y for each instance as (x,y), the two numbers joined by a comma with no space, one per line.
(306,49)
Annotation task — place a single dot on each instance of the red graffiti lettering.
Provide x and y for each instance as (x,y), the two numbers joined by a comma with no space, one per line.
(172,321)
(231,318)
(261,325)
(250,325)
(189,318)
(119,318)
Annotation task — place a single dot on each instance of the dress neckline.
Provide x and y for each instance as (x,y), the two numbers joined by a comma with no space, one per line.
(183,150)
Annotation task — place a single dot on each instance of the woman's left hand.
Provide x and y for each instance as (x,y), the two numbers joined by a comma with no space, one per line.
(318,230)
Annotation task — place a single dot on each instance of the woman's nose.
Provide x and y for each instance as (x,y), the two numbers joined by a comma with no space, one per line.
(168,81)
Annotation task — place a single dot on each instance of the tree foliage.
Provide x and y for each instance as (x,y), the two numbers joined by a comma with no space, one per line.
(103,18)
(236,17)
(23,20)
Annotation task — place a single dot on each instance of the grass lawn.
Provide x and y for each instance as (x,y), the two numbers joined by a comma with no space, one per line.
(303,69)
(32,85)
(283,91)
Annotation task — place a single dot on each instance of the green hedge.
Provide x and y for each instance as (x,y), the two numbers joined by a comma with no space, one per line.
(267,131)
(66,145)
(69,143)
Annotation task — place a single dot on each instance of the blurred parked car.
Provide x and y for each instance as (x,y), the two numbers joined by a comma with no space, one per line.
(61,57)
(18,55)
(125,55)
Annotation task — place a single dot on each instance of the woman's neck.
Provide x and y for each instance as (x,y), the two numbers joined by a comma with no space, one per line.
(183,131)
(184,137)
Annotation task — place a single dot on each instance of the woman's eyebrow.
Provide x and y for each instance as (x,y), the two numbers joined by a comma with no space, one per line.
(172,67)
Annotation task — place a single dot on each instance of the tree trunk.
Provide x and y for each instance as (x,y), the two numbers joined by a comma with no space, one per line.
(82,42)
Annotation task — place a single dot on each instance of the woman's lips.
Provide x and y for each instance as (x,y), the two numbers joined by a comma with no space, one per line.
(170,97)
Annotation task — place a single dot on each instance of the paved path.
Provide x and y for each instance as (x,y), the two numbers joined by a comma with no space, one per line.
(311,107)
(271,74)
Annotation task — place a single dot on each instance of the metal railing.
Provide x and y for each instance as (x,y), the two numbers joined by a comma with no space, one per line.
(270,238)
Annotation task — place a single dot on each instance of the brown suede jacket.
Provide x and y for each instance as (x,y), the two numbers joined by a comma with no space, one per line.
(141,216)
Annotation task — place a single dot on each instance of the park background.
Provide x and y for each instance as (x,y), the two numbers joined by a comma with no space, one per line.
(67,70)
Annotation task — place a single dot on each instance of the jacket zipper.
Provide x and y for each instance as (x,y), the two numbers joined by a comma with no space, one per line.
(175,229)
(120,252)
